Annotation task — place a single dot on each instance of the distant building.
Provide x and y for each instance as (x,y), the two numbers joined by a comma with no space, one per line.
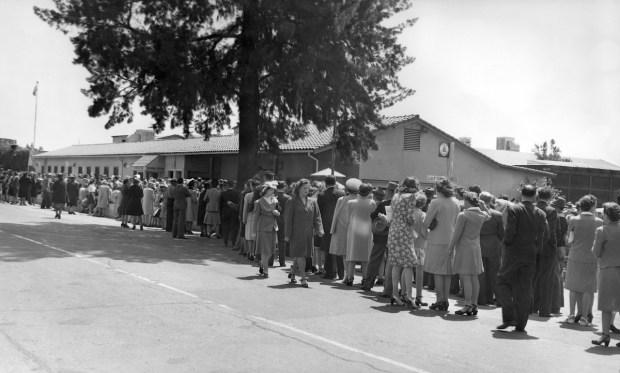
(575,179)
(507,143)
(5,144)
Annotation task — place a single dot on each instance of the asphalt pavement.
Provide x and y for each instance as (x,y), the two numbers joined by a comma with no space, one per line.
(82,294)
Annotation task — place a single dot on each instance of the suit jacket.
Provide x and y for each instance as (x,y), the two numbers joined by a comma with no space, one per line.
(380,209)
(229,195)
(550,243)
(525,230)
(180,196)
(327,204)
(283,199)
(492,235)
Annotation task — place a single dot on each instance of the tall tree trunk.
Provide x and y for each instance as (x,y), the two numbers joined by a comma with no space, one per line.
(249,97)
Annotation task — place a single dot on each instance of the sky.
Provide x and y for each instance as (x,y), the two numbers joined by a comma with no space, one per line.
(528,69)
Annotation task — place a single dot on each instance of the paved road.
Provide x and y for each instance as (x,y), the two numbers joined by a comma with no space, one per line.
(83,295)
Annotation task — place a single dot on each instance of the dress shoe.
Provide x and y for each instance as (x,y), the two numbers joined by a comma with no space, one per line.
(613,329)
(506,325)
(520,329)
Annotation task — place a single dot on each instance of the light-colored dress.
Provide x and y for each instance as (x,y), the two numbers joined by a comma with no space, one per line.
(607,249)
(249,217)
(582,267)
(401,236)
(466,241)
(359,233)
(421,241)
(340,226)
(266,226)
(445,210)
(148,201)
(103,196)
(191,214)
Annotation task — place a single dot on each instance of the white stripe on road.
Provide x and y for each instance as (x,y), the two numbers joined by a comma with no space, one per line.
(261,319)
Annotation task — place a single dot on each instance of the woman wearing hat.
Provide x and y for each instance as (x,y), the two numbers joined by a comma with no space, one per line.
(465,248)
(401,240)
(267,211)
(302,219)
(581,269)
(359,233)
(607,249)
(440,221)
(134,203)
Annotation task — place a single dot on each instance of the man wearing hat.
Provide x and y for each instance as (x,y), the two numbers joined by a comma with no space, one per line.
(340,223)
(557,299)
(380,230)
(327,201)
(547,259)
(180,209)
(73,192)
(491,237)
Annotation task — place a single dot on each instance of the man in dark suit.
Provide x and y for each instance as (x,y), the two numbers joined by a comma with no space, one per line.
(180,208)
(283,198)
(379,244)
(170,205)
(491,237)
(327,203)
(229,199)
(525,230)
(547,259)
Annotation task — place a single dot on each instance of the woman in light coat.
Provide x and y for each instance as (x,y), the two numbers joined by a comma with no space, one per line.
(465,248)
(359,232)
(607,249)
(440,221)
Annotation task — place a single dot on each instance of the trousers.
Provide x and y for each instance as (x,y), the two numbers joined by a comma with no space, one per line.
(334,264)
(488,279)
(178,222)
(543,284)
(230,228)
(379,250)
(514,288)
(557,299)
(169,213)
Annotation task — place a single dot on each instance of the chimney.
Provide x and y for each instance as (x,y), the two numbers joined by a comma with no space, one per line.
(507,143)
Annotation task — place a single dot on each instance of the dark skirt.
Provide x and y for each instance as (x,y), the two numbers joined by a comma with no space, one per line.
(134,207)
(122,208)
(266,243)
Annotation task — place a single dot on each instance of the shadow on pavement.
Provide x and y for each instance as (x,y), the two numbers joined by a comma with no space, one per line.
(153,245)
(577,327)
(500,334)
(605,351)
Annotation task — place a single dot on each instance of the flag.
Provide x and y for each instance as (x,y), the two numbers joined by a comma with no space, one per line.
(36,89)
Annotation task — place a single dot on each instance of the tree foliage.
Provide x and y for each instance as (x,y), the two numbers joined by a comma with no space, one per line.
(282,64)
(15,159)
(549,151)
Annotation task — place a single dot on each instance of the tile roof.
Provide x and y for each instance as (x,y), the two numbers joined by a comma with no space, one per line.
(215,145)
(529,159)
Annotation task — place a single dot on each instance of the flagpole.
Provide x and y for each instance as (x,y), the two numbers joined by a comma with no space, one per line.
(36,101)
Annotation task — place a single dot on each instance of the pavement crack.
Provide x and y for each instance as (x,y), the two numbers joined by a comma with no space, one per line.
(28,354)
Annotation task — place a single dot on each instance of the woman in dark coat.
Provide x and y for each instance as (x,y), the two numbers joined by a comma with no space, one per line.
(24,189)
(134,203)
(59,195)
(122,208)
(302,220)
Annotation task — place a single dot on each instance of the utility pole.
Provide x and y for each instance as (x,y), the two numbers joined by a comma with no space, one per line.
(36,99)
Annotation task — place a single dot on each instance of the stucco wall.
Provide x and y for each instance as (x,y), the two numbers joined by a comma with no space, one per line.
(92,162)
(391,162)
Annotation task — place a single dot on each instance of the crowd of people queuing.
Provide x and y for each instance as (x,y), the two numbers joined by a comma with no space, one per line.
(519,255)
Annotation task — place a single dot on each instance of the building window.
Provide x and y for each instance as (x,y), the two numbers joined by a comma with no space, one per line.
(55,169)
(62,169)
(116,171)
(42,170)
(106,171)
(70,170)
(412,138)
(49,168)
(88,170)
(80,170)
(96,171)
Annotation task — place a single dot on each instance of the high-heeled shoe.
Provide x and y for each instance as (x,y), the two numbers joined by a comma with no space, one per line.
(419,302)
(436,306)
(349,282)
(397,301)
(474,309)
(304,283)
(260,270)
(411,304)
(293,281)
(604,340)
(464,311)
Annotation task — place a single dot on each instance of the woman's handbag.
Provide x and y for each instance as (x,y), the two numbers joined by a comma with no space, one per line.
(433,224)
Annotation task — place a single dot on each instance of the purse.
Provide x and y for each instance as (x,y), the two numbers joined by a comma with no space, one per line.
(433,224)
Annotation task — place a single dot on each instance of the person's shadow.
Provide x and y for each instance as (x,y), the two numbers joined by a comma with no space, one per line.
(501,334)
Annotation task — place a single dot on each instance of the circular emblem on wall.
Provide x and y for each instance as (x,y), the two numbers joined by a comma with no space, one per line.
(444,149)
